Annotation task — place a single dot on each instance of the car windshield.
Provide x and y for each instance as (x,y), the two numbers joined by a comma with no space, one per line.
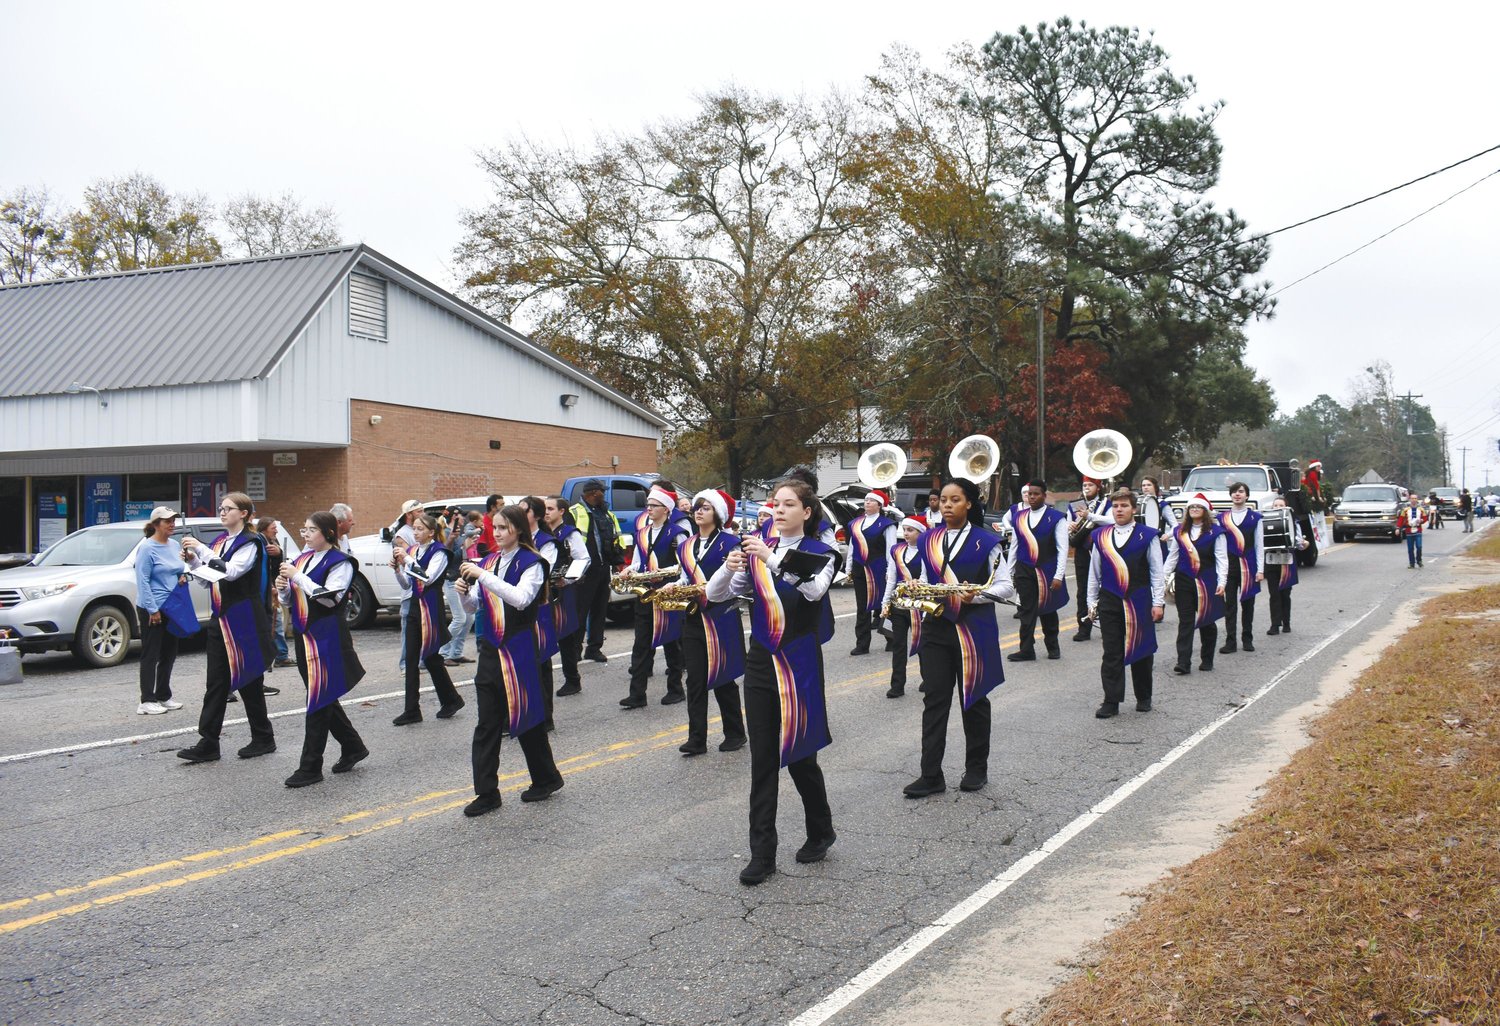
(1447,493)
(1218,479)
(93,546)
(1370,493)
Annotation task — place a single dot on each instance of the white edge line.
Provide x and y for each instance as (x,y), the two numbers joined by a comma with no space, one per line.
(925,937)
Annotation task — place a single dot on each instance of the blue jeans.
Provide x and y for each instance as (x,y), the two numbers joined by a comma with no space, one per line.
(1413,549)
(405,609)
(458,625)
(278,627)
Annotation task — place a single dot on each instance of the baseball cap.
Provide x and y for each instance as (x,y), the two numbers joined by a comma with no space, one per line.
(164,513)
(410,505)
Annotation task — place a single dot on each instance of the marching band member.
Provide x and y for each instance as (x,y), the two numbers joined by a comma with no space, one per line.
(713,641)
(785,708)
(1245,533)
(505,589)
(427,627)
(871,538)
(1281,578)
(573,550)
(314,587)
(1127,593)
(1092,509)
(904,565)
(1035,565)
(1155,512)
(239,634)
(657,535)
(546,618)
(932,516)
(1198,556)
(961,646)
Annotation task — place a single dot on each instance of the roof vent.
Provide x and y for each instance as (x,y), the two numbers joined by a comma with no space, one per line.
(367,306)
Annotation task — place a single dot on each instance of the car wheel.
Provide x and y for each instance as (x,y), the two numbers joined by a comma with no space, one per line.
(102,637)
(359,607)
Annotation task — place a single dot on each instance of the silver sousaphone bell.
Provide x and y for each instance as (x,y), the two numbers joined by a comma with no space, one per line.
(976,458)
(881,466)
(1102,454)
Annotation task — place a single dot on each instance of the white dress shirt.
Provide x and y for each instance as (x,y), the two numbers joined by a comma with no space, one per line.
(1221,554)
(726,584)
(235,567)
(518,595)
(1059,537)
(339,579)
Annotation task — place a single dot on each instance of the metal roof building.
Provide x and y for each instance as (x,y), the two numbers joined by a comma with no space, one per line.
(304,378)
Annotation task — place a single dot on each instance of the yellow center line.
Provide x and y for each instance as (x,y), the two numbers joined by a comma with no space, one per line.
(614,752)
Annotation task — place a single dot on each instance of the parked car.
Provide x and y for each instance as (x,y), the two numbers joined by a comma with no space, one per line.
(1368,509)
(80,593)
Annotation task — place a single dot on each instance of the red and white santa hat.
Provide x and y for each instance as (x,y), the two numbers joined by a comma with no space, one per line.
(721,501)
(1314,464)
(661,495)
(914,522)
(876,493)
(1201,500)
(1093,481)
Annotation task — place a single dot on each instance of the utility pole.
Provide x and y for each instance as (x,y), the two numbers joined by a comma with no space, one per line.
(1411,441)
(1041,393)
(1463,480)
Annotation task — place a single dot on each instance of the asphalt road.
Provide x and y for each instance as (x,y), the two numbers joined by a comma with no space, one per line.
(141,890)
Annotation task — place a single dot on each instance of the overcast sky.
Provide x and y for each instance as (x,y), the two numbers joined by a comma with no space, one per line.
(378,108)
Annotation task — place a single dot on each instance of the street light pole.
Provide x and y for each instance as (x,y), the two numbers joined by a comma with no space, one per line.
(1041,394)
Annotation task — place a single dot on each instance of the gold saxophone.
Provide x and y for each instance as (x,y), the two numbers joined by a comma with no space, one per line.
(639,584)
(676,598)
(929,598)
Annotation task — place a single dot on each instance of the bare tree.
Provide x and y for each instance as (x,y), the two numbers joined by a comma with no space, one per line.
(262,225)
(30,235)
(133,222)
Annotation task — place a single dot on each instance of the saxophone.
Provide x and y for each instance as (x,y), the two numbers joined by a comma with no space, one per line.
(929,598)
(639,584)
(676,598)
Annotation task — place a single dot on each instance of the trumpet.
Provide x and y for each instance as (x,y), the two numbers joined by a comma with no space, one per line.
(639,584)
(929,598)
(676,598)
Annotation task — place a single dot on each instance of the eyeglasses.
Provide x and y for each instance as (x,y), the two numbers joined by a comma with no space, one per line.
(655,505)
(226,508)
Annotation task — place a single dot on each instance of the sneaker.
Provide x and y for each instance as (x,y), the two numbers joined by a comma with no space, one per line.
(286,661)
(171,703)
(268,691)
(150,709)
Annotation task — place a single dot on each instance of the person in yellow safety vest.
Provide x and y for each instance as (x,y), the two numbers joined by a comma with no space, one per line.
(607,548)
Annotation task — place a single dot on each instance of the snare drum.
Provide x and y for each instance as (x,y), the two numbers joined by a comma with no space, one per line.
(1278,535)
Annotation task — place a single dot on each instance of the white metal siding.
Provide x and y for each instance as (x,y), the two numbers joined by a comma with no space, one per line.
(140,418)
(204,461)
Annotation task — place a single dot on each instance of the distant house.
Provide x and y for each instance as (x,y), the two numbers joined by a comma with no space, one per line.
(302,379)
(1370,477)
(836,448)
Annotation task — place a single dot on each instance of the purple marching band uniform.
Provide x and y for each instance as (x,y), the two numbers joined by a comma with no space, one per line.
(240,643)
(713,644)
(904,564)
(325,655)
(1246,540)
(547,644)
(1281,578)
(870,539)
(960,651)
(507,688)
(785,708)
(1125,582)
(656,549)
(573,550)
(426,632)
(1200,563)
(1036,560)
(829,537)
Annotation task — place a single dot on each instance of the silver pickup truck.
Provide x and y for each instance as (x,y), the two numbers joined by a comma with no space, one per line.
(1368,509)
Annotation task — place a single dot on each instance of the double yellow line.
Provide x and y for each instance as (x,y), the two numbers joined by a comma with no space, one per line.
(271,848)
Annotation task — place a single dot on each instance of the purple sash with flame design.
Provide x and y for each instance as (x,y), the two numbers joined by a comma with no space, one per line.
(796,662)
(1195,569)
(1241,538)
(331,672)
(1114,577)
(867,561)
(519,675)
(666,625)
(239,621)
(904,573)
(723,632)
(980,668)
(1029,545)
(427,603)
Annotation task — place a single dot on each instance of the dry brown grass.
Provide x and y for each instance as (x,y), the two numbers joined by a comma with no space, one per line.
(1365,887)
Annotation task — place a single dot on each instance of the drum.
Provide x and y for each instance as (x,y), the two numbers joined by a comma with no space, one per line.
(1278,535)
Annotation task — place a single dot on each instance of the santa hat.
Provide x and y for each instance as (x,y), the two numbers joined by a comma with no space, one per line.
(1201,500)
(876,493)
(661,495)
(1093,481)
(721,501)
(1314,464)
(913,522)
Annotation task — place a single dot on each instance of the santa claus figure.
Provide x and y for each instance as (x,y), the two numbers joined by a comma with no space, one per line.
(1312,482)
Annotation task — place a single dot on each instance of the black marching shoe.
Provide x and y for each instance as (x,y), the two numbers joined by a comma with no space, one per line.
(673,697)
(268,691)
(414,716)
(1026,655)
(757,872)
(255,748)
(860,650)
(816,850)
(973,781)
(1054,651)
(1180,669)
(1229,648)
(487,802)
(303,777)
(200,752)
(895,692)
(1144,705)
(447,711)
(1275,630)
(348,760)
(1206,667)
(1247,644)
(1286,628)
(1084,633)
(593,655)
(569,689)
(731,744)
(923,787)
(693,747)
(632,702)
(541,792)
(1106,710)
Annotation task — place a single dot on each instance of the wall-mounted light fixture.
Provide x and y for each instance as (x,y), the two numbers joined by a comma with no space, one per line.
(568,399)
(76,388)
(494,443)
(374,419)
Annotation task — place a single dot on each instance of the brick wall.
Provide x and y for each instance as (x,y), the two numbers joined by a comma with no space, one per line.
(319,479)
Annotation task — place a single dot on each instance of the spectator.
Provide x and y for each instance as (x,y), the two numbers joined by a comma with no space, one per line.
(460,539)
(491,509)
(159,570)
(344,517)
(1466,510)
(271,530)
(1434,511)
(601,534)
(406,540)
(1412,520)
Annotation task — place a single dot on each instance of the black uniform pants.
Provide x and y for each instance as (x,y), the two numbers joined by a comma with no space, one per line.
(1246,608)
(1081,582)
(695,662)
(1279,601)
(643,656)
(941,666)
(1185,598)
(1112,670)
(593,599)
(442,683)
(861,614)
(763,717)
(900,643)
(158,655)
(570,649)
(1029,597)
(331,719)
(544,671)
(492,721)
(216,695)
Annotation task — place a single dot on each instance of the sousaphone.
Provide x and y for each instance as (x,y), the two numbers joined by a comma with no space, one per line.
(975,458)
(881,466)
(1102,454)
